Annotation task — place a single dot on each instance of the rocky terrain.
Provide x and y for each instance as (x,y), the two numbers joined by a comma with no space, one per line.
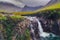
(17,27)
(50,20)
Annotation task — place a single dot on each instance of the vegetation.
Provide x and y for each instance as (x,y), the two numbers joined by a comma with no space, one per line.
(50,7)
(9,23)
(11,28)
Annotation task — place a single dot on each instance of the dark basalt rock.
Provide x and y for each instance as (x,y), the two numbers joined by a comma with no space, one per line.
(50,21)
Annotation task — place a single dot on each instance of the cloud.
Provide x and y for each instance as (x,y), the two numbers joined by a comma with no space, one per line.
(35,3)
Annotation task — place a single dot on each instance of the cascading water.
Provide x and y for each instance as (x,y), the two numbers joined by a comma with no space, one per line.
(41,32)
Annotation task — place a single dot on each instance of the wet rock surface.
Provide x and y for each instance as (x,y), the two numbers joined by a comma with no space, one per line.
(50,20)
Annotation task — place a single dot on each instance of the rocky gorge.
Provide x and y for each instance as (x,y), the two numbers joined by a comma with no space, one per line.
(40,26)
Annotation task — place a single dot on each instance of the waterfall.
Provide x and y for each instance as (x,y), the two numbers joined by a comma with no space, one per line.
(41,32)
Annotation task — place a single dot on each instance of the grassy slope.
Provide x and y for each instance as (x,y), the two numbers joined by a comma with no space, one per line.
(54,6)
(9,25)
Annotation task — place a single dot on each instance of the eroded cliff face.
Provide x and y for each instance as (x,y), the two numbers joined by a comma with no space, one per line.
(50,21)
(51,25)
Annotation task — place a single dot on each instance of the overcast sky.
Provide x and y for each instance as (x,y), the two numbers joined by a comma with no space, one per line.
(35,3)
(31,3)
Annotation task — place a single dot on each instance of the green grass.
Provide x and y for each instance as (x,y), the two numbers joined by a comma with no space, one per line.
(50,7)
(9,24)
